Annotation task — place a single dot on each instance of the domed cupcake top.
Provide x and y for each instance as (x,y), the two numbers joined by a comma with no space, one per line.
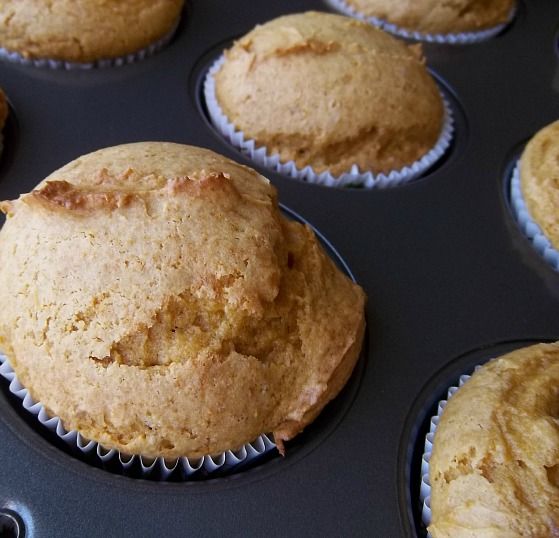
(84,30)
(158,302)
(495,461)
(330,92)
(436,17)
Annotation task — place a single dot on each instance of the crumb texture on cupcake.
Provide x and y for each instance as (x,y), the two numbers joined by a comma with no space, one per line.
(330,92)
(494,469)
(155,299)
(436,17)
(539,180)
(84,30)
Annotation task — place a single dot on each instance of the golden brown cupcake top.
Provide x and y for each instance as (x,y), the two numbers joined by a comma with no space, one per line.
(84,30)
(539,180)
(157,301)
(435,16)
(494,469)
(330,91)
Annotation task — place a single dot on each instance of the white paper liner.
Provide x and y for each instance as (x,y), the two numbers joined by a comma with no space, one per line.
(527,224)
(425,488)
(158,468)
(102,63)
(461,38)
(354,177)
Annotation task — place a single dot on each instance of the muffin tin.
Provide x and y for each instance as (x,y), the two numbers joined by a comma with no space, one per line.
(451,282)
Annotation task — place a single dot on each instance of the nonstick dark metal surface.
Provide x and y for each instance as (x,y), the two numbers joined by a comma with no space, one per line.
(451,282)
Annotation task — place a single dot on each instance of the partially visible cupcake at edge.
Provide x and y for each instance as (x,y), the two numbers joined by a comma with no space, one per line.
(494,468)
(539,170)
(84,31)
(155,298)
(435,16)
(331,92)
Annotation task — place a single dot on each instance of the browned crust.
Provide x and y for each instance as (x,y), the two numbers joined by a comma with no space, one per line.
(310,45)
(62,195)
(7,207)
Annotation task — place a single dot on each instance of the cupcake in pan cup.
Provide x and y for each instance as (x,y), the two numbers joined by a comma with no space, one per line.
(533,193)
(491,459)
(158,303)
(457,23)
(85,33)
(329,100)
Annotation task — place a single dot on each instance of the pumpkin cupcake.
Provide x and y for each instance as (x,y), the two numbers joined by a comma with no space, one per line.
(163,306)
(493,453)
(85,31)
(457,22)
(331,97)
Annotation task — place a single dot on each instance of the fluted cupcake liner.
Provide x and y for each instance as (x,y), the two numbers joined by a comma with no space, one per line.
(102,63)
(460,38)
(155,468)
(527,224)
(425,488)
(354,177)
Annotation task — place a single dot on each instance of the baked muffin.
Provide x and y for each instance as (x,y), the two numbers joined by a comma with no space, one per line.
(539,169)
(155,299)
(435,16)
(84,30)
(330,92)
(494,469)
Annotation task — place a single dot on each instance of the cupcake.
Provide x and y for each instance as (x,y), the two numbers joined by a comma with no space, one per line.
(85,31)
(328,93)
(534,195)
(432,20)
(157,301)
(494,465)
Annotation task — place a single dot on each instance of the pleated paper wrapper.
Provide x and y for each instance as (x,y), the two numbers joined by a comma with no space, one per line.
(134,465)
(425,488)
(354,177)
(527,224)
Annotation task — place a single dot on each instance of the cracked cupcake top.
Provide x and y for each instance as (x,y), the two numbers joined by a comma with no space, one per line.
(84,30)
(330,91)
(494,469)
(155,299)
